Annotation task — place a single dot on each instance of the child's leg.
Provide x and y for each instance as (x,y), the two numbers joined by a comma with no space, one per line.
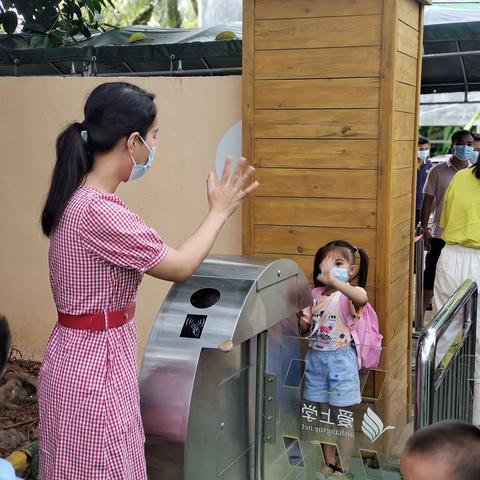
(345,383)
(346,441)
(329,452)
(328,442)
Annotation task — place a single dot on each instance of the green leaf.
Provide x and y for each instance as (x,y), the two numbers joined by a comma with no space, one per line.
(470,124)
(97,5)
(9,22)
(56,38)
(57,34)
(78,11)
(136,37)
(86,32)
(34,27)
(227,35)
(38,41)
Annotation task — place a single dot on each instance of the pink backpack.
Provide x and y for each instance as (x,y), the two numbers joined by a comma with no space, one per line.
(365,334)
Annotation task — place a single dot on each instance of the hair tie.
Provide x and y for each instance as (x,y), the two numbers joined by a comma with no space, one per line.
(84,135)
(355,250)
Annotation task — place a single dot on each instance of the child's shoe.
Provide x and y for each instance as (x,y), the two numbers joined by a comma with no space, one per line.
(326,473)
(339,475)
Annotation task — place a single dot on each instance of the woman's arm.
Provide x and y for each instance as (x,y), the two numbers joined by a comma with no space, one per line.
(224,199)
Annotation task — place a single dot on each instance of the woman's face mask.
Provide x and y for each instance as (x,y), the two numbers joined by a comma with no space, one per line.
(140,170)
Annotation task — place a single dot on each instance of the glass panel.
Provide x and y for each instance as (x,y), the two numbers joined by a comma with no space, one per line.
(371,464)
(332,417)
(293,451)
(294,376)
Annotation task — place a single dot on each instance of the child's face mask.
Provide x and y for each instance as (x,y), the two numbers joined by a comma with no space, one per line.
(342,273)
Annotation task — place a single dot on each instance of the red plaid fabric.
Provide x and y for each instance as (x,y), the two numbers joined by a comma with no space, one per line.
(90,423)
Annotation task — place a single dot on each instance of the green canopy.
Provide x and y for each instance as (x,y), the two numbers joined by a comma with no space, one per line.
(163,51)
(451,55)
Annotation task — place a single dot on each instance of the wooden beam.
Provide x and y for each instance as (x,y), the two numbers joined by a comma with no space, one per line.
(248,92)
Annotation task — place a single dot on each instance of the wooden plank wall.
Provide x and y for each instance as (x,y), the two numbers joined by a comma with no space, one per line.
(406,88)
(331,91)
(313,115)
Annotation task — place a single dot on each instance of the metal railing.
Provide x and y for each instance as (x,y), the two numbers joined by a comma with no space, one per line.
(446,391)
(419,257)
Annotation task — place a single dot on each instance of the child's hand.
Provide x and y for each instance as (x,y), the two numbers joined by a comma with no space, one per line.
(305,314)
(326,276)
(305,319)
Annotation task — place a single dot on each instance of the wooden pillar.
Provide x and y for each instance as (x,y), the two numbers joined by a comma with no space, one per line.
(331,93)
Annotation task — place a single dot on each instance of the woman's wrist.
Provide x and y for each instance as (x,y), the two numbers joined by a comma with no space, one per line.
(218,216)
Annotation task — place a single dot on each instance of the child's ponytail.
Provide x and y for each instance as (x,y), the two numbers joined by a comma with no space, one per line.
(72,164)
(363,268)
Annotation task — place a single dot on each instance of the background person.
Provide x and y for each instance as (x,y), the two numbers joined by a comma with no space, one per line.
(437,182)
(448,450)
(476,145)
(423,166)
(460,258)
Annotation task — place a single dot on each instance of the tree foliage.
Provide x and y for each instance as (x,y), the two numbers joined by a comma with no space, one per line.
(57,22)
(162,13)
(52,22)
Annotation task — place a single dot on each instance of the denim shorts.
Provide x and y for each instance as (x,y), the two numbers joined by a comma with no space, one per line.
(332,377)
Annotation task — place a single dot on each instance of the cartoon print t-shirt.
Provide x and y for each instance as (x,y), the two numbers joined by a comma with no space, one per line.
(330,331)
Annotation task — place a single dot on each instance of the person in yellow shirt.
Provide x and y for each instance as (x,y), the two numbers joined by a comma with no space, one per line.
(460,258)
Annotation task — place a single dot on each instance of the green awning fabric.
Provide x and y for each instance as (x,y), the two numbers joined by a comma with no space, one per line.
(110,52)
(448,31)
(195,52)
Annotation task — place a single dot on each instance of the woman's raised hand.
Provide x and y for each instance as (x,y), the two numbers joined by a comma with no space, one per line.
(226,196)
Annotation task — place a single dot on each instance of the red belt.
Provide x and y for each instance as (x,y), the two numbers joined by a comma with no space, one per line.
(98,321)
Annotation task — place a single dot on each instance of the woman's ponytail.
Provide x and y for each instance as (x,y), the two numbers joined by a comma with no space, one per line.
(73,163)
(112,112)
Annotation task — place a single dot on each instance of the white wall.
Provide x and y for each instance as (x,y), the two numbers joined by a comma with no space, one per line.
(193,115)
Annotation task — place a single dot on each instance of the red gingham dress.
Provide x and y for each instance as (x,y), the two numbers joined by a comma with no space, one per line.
(90,424)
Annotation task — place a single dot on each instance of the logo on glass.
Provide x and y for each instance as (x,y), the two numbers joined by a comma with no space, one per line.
(372,425)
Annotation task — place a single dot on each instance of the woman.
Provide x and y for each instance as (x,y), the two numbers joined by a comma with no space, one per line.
(90,425)
(460,258)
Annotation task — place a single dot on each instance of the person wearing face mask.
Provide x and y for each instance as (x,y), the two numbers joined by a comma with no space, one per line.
(89,413)
(423,166)
(476,146)
(460,258)
(331,365)
(438,179)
